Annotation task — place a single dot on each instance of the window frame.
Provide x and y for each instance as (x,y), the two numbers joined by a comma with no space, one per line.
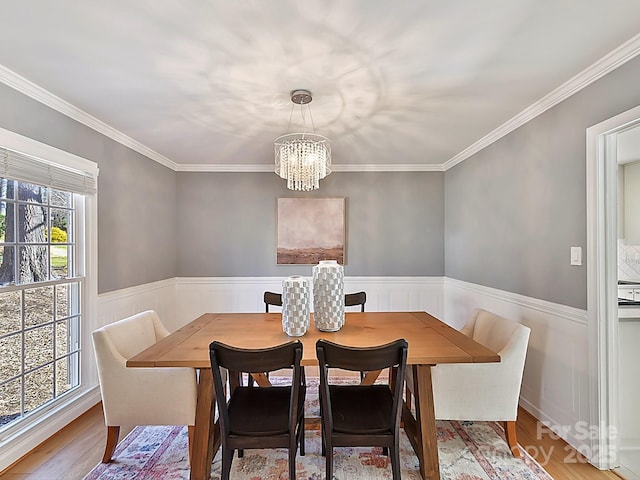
(17,440)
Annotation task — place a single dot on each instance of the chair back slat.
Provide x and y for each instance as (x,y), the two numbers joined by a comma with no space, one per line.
(255,360)
(360,358)
(271,298)
(352,299)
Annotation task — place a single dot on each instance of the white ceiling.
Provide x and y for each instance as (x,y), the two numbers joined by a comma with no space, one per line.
(207,82)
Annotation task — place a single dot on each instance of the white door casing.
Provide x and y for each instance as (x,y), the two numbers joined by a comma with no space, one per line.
(602,304)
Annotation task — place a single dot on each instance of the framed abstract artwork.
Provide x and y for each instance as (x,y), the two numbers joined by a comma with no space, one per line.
(310,230)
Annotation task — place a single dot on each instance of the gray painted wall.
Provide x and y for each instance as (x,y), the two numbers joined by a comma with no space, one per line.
(136,196)
(513,210)
(136,220)
(227,223)
(154,223)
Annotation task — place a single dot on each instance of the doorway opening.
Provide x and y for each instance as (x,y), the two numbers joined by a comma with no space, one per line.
(602,285)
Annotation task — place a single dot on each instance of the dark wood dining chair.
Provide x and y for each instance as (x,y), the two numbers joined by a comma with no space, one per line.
(259,417)
(271,298)
(352,299)
(359,415)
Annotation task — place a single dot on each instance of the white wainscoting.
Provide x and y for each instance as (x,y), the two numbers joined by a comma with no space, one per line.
(180,300)
(555,386)
(195,296)
(159,296)
(628,414)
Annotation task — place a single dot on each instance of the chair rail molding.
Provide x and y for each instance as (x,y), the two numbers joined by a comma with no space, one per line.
(179,300)
(119,304)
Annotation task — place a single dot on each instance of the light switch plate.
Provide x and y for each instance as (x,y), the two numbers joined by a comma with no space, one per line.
(576,255)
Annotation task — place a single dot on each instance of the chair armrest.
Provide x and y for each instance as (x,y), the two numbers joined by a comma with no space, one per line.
(482,391)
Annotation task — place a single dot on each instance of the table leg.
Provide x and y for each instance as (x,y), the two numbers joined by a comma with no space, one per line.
(205,444)
(370,377)
(421,429)
(429,467)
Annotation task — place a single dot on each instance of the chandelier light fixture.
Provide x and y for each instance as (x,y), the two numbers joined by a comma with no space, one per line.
(302,159)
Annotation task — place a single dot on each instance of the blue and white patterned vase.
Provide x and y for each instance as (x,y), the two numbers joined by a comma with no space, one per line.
(328,296)
(296,305)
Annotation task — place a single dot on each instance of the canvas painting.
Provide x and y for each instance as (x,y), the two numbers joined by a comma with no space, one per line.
(310,230)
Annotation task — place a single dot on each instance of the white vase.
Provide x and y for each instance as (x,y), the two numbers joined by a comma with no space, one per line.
(296,305)
(328,296)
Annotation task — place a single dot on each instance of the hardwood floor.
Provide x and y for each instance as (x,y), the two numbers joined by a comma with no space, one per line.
(72,452)
(69,455)
(555,455)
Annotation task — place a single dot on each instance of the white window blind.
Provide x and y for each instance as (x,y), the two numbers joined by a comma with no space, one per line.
(18,166)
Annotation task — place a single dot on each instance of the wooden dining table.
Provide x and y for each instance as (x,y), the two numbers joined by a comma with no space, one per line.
(431,342)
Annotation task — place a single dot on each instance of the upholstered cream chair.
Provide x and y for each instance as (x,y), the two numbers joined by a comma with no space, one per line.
(485,391)
(140,396)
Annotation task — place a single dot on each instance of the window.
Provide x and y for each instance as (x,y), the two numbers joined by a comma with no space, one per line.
(39,297)
(42,283)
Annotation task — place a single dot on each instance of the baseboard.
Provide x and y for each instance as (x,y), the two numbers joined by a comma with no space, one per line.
(571,453)
(551,424)
(625,474)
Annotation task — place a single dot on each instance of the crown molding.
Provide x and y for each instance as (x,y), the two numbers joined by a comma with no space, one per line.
(409,167)
(30,89)
(597,70)
(223,168)
(232,168)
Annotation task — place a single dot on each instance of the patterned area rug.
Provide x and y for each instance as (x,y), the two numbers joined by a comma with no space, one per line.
(467,451)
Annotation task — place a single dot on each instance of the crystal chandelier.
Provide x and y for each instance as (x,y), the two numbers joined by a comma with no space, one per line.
(303,159)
